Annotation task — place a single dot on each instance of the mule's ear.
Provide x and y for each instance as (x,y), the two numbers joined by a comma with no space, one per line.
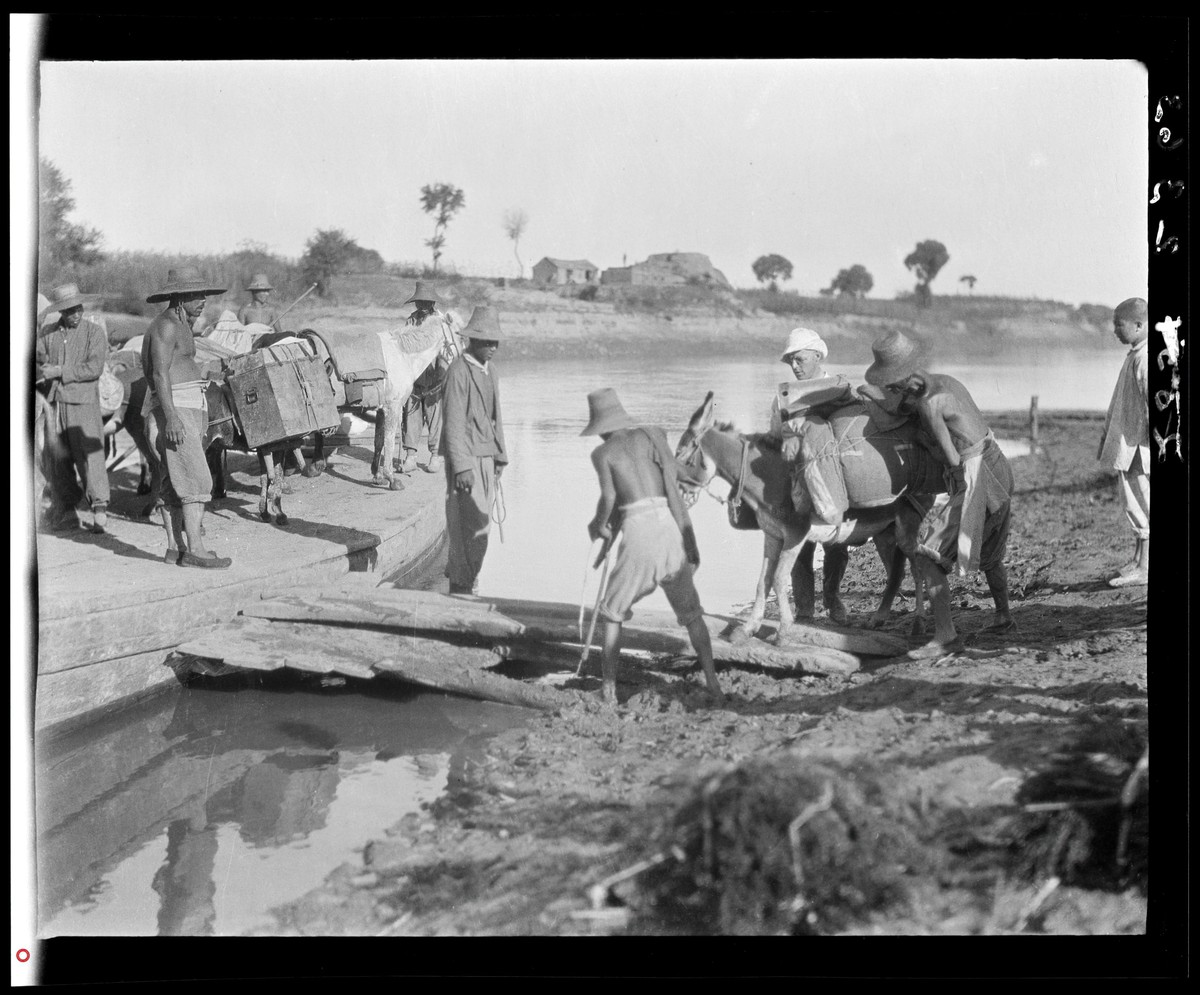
(702,419)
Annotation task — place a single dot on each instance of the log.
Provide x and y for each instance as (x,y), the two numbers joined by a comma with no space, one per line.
(431,663)
(655,632)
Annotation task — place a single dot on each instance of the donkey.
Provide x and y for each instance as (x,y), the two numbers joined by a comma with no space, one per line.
(762,478)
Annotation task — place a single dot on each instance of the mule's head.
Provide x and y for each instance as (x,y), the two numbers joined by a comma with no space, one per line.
(693,468)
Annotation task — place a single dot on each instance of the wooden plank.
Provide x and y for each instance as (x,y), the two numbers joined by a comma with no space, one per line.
(655,632)
(431,618)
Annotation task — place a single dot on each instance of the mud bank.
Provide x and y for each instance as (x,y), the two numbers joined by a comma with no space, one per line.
(912,777)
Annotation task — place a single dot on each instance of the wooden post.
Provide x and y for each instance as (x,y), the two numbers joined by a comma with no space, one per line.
(1033,423)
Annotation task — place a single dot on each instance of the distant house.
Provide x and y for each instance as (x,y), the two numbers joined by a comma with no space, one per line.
(562,271)
(669,269)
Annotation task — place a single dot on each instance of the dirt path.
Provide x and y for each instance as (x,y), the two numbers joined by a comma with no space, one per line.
(904,783)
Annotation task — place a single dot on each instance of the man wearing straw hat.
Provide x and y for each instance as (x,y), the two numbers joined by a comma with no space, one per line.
(970,532)
(424,405)
(178,417)
(70,354)
(258,311)
(473,444)
(1125,445)
(637,482)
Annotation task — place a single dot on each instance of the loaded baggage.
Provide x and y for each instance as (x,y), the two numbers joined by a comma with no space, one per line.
(848,461)
(280,392)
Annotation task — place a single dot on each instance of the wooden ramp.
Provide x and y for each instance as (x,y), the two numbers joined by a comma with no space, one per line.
(450,642)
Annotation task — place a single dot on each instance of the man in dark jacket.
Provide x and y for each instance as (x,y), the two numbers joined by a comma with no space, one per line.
(473,445)
(70,357)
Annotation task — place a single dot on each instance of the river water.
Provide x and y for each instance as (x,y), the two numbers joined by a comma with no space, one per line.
(197,812)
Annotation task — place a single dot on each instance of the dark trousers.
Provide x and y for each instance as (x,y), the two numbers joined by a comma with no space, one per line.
(81,430)
(418,413)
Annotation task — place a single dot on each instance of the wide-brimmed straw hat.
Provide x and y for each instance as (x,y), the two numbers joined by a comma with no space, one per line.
(423,293)
(184,280)
(896,356)
(484,324)
(66,296)
(260,282)
(804,338)
(607,415)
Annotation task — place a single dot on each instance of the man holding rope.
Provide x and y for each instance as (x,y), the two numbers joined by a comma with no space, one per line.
(473,445)
(637,481)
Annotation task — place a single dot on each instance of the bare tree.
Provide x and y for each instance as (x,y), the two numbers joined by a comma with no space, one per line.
(514,227)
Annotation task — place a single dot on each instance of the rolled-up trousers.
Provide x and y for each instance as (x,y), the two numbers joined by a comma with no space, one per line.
(81,429)
(468,522)
(1135,495)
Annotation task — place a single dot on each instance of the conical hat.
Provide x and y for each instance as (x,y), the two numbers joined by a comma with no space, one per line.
(896,356)
(423,293)
(260,282)
(607,415)
(184,280)
(484,324)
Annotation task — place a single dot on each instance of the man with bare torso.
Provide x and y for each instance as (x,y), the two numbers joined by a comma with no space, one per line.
(637,485)
(178,418)
(970,532)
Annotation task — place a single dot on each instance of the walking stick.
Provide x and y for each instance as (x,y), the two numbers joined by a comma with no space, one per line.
(603,557)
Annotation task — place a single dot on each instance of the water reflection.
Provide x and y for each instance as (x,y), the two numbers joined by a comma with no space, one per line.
(225,805)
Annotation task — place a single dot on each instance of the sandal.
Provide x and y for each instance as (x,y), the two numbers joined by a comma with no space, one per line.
(212,561)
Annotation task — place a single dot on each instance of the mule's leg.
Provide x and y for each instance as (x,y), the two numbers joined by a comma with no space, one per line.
(318,460)
(918,625)
(749,628)
(894,562)
(804,582)
(309,468)
(277,485)
(783,574)
(837,557)
(945,636)
(214,456)
(377,454)
(391,422)
(266,468)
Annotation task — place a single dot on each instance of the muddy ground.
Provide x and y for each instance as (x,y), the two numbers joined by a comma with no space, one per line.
(905,786)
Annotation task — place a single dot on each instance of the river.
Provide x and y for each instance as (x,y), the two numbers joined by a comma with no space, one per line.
(200,810)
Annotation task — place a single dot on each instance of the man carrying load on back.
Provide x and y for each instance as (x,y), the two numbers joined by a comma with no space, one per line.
(424,404)
(637,481)
(814,394)
(970,532)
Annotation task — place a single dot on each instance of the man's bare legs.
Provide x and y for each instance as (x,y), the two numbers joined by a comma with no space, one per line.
(997,581)
(937,586)
(701,643)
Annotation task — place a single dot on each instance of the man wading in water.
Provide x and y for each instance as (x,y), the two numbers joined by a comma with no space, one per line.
(637,480)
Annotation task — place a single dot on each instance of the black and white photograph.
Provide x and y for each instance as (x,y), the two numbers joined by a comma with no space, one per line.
(632,495)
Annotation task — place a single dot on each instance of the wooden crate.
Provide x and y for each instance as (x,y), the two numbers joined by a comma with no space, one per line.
(276,401)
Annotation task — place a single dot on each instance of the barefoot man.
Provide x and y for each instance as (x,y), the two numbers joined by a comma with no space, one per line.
(1125,446)
(179,415)
(637,480)
(970,532)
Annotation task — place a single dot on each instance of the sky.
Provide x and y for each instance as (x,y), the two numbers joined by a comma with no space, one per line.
(1032,173)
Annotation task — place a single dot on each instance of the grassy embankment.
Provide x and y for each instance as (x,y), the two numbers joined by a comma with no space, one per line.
(614,320)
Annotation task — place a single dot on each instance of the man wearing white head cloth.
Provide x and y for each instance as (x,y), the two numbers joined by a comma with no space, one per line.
(813,395)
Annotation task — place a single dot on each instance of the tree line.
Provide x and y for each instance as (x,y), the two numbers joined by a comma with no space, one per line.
(925,262)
